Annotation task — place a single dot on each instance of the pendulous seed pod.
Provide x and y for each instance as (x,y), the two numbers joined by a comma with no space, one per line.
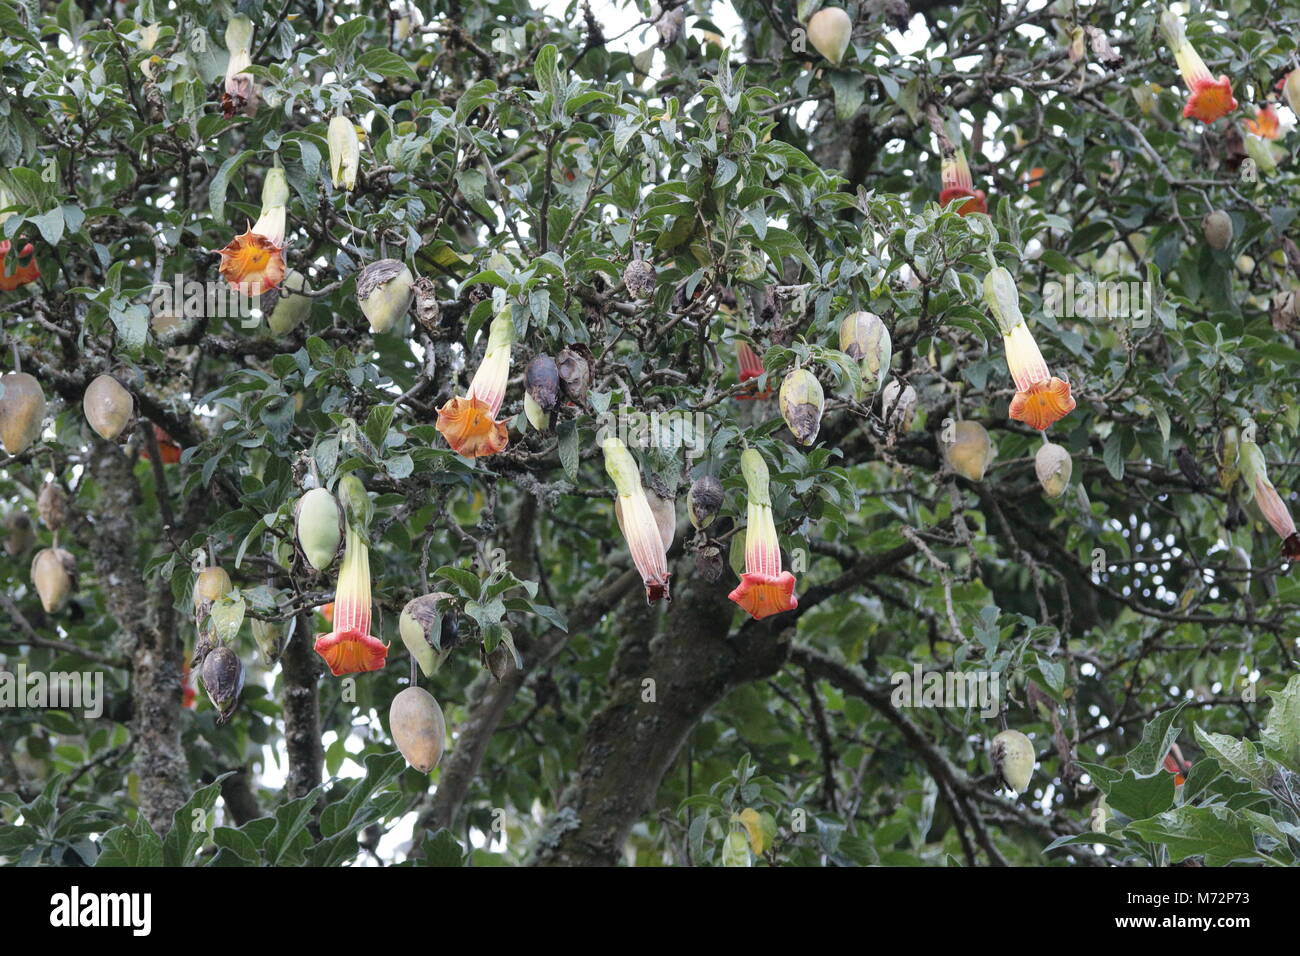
(269,638)
(18,534)
(385,292)
(318,522)
(52,503)
(898,405)
(1218,229)
(108,407)
(639,277)
(418,728)
(863,336)
(223,679)
(1053,466)
(575,375)
(709,563)
(427,310)
(54,575)
(1013,759)
(425,630)
(703,501)
(211,585)
(802,401)
(537,416)
(542,381)
(829,31)
(22,411)
(283,307)
(969,450)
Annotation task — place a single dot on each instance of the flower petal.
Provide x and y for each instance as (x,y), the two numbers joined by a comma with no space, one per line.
(470,429)
(762,595)
(351,652)
(1043,403)
(252,263)
(1210,100)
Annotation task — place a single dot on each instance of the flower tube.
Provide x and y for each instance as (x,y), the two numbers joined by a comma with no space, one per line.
(241,92)
(637,520)
(751,367)
(254,261)
(955,175)
(1041,399)
(469,424)
(1208,99)
(350,648)
(764,588)
(1270,503)
(345,152)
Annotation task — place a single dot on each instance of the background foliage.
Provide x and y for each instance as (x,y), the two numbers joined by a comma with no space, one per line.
(516,155)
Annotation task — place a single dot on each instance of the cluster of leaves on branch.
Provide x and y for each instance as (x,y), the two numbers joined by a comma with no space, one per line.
(479,235)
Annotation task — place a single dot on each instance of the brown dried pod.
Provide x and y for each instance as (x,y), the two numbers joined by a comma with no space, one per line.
(542,378)
(223,679)
(22,411)
(639,277)
(54,575)
(709,562)
(108,406)
(427,311)
(1218,229)
(500,662)
(703,501)
(418,728)
(18,534)
(52,503)
(575,375)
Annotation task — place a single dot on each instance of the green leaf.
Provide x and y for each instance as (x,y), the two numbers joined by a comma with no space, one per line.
(132,845)
(567,433)
(1237,757)
(1220,835)
(1141,797)
(1157,737)
(1281,734)
(441,849)
(190,826)
(384,62)
(217,188)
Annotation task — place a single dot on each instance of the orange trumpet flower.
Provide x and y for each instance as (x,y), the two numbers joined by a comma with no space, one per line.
(764,589)
(470,424)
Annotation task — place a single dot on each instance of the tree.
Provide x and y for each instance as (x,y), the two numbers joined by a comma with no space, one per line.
(499,271)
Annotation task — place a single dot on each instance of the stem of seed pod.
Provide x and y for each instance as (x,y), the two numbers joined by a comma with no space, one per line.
(414,676)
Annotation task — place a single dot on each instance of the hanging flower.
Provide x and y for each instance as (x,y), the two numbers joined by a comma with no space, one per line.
(751,367)
(350,648)
(764,588)
(955,174)
(469,424)
(1266,123)
(23,273)
(1271,505)
(1041,399)
(1290,87)
(1208,99)
(240,94)
(254,261)
(640,528)
(345,152)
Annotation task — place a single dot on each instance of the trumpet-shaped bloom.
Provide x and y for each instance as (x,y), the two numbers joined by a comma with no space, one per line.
(1266,123)
(23,273)
(1271,505)
(955,174)
(469,424)
(1208,99)
(345,152)
(254,261)
(350,648)
(764,588)
(644,540)
(1041,399)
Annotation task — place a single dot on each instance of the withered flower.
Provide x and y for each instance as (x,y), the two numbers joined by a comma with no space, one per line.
(640,528)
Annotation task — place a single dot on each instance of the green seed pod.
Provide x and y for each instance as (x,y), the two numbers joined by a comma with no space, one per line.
(863,336)
(1013,759)
(210,586)
(969,451)
(1052,465)
(108,407)
(269,638)
(802,401)
(385,292)
(418,728)
(54,577)
(345,152)
(426,631)
(829,31)
(1218,230)
(22,411)
(536,415)
(357,506)
(223,679)
(319,525)
(703,501)
(284,310)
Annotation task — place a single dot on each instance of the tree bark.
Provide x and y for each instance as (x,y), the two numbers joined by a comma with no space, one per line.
(302,738)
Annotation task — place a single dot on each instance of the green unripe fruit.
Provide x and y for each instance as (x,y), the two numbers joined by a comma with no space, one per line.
(1013,759)
(319,526)
(418,728)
